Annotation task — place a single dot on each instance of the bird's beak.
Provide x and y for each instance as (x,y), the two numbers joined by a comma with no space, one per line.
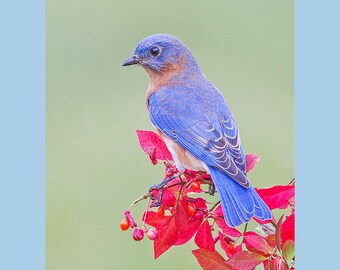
(133,60)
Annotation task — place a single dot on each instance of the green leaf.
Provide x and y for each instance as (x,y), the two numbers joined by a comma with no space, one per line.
(288,251)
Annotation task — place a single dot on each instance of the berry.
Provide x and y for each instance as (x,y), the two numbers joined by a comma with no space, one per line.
(130,219)
(152,234)
(138,234)
(195,185)
(124,224)
(199,215)
(191,209)
(231,247)
(160,212)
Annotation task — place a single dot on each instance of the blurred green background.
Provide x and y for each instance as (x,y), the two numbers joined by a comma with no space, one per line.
(95,167)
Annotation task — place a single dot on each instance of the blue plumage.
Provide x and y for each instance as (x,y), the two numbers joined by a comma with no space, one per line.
(188,109)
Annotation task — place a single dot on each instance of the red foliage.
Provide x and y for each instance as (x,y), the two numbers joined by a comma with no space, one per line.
(182,215)
(277,196)
(246,260)
(203,238)
(251,160)
(210,260)
(257,243)
(167,236)
(288,229)
(153,145)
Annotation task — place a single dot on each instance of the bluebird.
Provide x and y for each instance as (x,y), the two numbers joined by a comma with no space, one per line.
(195,121)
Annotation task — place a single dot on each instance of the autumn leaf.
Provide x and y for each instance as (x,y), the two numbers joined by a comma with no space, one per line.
(153,145)
(277,196)
(153,219)
(257,243)
(276,263)
(210,260)
(187,225)
(203,238)
(278,233)
(288,251)
(220,222)
(251,160)
(288,229)
(167,236)
(226,246)
(245,260)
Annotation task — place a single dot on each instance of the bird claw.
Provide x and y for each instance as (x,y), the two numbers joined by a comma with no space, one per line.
(160,187)
(212,189)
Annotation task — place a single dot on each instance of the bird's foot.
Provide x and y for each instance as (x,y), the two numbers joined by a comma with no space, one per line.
(160,187)
(212,189)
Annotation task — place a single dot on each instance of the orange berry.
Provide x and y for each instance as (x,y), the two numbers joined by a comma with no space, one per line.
(195,185)
(160,212)
(124,224)
(231,247)
(191,209)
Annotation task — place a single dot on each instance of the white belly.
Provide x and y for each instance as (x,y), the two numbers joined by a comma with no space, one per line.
(182,158)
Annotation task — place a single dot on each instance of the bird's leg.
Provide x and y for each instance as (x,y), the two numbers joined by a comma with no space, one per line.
(160,187)
(212,189)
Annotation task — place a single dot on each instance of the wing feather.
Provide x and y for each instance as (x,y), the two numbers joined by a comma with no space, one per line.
(211,136)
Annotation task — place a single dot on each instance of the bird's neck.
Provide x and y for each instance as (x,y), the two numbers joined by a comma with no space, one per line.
(173,76)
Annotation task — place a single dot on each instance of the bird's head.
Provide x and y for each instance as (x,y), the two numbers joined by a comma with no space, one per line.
(160,53)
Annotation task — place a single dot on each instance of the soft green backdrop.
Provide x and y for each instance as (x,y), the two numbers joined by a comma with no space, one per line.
(95,167)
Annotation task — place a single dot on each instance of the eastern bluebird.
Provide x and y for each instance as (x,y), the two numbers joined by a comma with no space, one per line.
(196,124)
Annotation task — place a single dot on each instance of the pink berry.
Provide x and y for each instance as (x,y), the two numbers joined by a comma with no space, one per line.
(152,234)
(138,234)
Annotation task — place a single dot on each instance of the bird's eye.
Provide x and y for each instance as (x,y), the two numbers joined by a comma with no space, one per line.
(155,51)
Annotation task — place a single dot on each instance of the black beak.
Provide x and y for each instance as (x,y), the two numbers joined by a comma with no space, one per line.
(133,60)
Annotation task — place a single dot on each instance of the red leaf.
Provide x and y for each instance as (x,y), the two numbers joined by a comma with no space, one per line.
(167,236)
(291,202)
(288,229)
(278,233)
(218,211)
(153,145)
(276,263)
(279,264)
(257,243)
(187,225)
(154,220)
(251,160)
(277,196)
(203,238)
(225,246)
(271,240)
(210,260)
(225,228)
(246,260)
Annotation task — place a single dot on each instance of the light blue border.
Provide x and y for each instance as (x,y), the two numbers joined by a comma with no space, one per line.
(22,142)
(317,133)
(22,115)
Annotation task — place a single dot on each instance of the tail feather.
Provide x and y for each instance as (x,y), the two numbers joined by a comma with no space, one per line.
(239,204)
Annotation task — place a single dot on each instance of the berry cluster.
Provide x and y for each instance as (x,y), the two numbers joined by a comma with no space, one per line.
(182,212)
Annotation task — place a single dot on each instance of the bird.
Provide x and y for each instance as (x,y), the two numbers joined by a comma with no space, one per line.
(197,125)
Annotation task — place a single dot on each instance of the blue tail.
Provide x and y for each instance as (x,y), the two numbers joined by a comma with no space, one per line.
(239,204)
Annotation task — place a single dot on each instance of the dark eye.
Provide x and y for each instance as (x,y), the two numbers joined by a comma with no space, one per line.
(155,51)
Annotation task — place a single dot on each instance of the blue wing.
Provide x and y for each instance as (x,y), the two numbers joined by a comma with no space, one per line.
(200,121)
